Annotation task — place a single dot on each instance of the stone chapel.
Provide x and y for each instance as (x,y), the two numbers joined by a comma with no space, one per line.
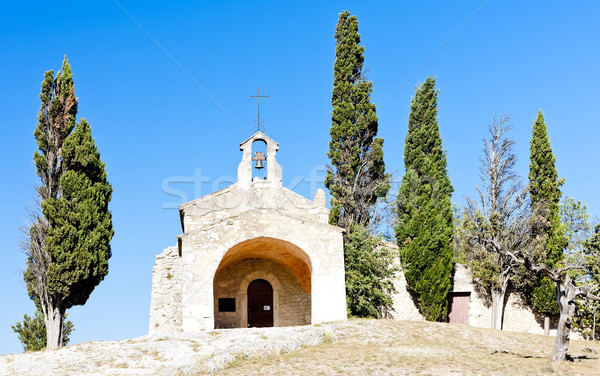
(254,254)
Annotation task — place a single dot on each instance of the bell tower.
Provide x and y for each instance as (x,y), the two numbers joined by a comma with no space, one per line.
(273,178)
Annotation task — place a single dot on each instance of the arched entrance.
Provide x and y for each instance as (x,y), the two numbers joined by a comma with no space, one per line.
(260,304)
(263,282)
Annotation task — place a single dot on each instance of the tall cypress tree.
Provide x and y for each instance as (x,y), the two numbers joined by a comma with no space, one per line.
(69,241)
(544,191)
(357,179)
(424,231)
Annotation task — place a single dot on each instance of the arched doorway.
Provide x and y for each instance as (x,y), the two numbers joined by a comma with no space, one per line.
(260,304)
(284,266)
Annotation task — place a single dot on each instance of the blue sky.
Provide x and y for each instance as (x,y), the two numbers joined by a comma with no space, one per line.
(149,104)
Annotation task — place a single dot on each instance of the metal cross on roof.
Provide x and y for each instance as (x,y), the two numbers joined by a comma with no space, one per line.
(258,96)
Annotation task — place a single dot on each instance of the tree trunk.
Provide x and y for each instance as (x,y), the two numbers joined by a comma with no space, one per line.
(561,344)
(566,304)
(546,326)
(54,328)
(594,335)
(498,307)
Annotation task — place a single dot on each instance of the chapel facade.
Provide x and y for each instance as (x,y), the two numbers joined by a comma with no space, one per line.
(254,254)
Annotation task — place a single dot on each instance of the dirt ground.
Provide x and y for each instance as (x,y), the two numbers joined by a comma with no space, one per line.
(355,347)
(385,347)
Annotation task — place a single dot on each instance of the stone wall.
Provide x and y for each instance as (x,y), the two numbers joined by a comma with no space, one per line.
(232,201)
(291,305)
(518,317)
(165,301)
(404,306)
(204,249)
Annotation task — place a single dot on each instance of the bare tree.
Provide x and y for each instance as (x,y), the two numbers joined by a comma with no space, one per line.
(497,235)
(567,293)
(497,221)
(38,260)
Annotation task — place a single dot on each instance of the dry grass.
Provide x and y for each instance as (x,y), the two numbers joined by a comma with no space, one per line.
(384,347)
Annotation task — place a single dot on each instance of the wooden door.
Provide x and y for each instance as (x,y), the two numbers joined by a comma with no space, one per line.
(260,304)
(458,307)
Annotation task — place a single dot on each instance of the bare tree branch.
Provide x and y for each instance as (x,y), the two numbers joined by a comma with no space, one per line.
(496,224)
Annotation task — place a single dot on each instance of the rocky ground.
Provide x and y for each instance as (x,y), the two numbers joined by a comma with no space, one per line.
(181,354)
(356,347)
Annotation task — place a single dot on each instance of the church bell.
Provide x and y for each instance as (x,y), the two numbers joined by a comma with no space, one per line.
(259,164)
(259,158)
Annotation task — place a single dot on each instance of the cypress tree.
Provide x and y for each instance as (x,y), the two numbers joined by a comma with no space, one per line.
(80,224)
(68,245)
(357,179)
(544,191)
(425,222)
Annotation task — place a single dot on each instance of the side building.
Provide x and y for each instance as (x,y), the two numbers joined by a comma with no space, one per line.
(468,304)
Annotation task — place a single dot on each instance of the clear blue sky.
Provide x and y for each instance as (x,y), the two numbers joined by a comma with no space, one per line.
(154,123)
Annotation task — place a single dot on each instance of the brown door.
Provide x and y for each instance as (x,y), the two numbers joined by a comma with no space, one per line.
(260,304)
(458,307)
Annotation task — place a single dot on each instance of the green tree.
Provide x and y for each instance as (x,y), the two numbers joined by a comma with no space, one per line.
(544,191)
(425,221)
(580,232)
(577,229)
(357,178)
(68,243)
(592,256)
(369,273)
(588,311)
(32,332)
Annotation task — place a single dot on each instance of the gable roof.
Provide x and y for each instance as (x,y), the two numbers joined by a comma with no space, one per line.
(259,136)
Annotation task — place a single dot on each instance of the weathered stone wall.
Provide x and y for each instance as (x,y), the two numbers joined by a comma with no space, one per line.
(233,201)
(204,249)
(518,317)
(480,313)
(165,301)
(291,305)
(404,306)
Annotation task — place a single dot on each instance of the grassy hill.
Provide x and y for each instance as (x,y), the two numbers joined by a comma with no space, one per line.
(356,347)
(385,347)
